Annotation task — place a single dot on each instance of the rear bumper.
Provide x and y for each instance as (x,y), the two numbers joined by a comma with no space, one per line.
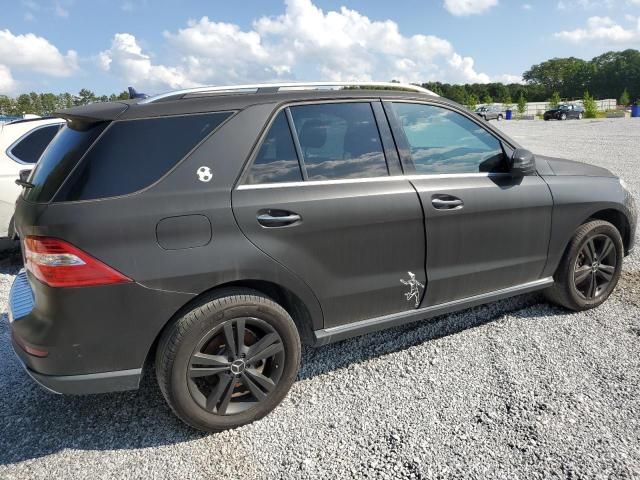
(104,382)
(89,339)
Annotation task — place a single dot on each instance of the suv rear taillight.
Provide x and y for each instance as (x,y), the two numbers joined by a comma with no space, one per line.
(60,264)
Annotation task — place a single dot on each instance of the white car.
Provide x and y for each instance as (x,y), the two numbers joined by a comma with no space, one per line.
(21,144)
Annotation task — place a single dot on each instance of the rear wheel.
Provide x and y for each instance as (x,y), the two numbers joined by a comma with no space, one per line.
(590,268)
(580,116)
(563,116)
(229,361)
(500,117)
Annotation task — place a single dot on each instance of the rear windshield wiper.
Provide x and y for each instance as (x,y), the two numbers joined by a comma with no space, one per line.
(24,183)
(22,179)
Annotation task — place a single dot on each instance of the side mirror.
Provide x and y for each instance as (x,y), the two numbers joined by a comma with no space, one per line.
(522,162)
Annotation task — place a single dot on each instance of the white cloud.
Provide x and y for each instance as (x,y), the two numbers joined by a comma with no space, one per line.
(586,4)
(527,6)
(36,54)
(7,83)
(602,29)
(126,59)
(468,7)
(304,42)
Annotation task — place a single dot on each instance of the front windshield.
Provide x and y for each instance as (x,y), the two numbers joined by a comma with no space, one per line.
(565,107)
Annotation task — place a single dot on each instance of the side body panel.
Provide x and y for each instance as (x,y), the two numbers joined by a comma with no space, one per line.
(354,244)
(498,239)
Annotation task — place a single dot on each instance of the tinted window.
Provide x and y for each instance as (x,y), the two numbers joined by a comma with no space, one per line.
(30,148)
(59,158)
(277,160)
(443,141)
(339,141)
(133,154)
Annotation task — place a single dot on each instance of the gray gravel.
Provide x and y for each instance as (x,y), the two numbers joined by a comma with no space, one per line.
(515,389)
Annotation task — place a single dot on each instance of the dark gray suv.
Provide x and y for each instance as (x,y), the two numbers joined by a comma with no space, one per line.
(209,232)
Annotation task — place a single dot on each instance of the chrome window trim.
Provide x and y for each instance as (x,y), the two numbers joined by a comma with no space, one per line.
(348,181)
(9,149)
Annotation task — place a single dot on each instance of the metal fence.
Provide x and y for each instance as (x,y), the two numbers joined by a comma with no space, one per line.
(534,108)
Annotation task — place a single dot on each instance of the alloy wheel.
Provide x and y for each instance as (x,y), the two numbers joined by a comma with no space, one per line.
(595,267)
(235,366)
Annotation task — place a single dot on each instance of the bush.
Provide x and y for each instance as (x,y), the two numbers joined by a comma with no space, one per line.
(472,102)
(624,98)
(522,104)
(554,101)
(590,106)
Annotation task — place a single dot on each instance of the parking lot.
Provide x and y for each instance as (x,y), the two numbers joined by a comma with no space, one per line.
(514,389)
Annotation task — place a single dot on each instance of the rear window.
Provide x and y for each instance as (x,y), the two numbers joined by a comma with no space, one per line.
(133,154)
(31,146)
(58,160)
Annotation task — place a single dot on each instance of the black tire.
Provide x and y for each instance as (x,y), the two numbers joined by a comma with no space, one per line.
(190,349)
(563,116)
(585,261)
(499,118)
(580,116)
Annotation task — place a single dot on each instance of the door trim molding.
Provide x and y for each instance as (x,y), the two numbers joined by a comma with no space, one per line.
(342,332)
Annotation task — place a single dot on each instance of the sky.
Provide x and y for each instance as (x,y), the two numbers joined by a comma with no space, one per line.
(159,45)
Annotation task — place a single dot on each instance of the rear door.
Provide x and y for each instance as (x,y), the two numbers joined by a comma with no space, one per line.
(486,230)
(324,196)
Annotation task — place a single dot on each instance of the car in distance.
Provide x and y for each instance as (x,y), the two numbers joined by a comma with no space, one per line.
(490,112)
(565,112)
(211,231)
(21,144)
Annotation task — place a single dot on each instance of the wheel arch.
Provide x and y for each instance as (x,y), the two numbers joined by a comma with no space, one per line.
(619,220)
(287,299)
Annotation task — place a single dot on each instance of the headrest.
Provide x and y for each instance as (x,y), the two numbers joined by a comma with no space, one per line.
(313,133)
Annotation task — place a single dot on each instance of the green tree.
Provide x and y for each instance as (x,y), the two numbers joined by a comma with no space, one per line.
(472,102)
(522,104)
(590,106)
(23,105)
(555,100)
(625,99)
(85,97)
(487,99)
(7,105)
(507,102)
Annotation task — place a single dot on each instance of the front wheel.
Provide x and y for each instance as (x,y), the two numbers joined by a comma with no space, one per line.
(229,361)
(590,268)
(563,116)
(580,116)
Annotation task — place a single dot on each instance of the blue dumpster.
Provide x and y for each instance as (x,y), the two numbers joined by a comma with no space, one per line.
(635,111)
(508,114)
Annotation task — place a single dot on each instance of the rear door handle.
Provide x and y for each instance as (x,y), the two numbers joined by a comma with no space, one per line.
(270,220)
(446,202)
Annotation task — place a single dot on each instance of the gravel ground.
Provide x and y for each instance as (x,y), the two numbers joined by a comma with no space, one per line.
(515,389)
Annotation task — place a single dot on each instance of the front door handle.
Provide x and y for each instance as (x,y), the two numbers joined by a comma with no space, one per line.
(271,219)
(446,202)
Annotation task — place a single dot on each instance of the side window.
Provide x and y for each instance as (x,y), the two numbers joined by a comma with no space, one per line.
(443,141)
(133,154)
(339,141)
(277,160)
(29,149)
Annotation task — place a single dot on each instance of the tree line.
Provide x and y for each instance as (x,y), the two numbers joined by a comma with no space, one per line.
(610,75)
(46,103)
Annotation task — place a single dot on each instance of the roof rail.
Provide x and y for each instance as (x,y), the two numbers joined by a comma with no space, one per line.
(276,87)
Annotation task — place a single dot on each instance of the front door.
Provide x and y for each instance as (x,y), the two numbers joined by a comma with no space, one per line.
(486,230)
(318,197)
